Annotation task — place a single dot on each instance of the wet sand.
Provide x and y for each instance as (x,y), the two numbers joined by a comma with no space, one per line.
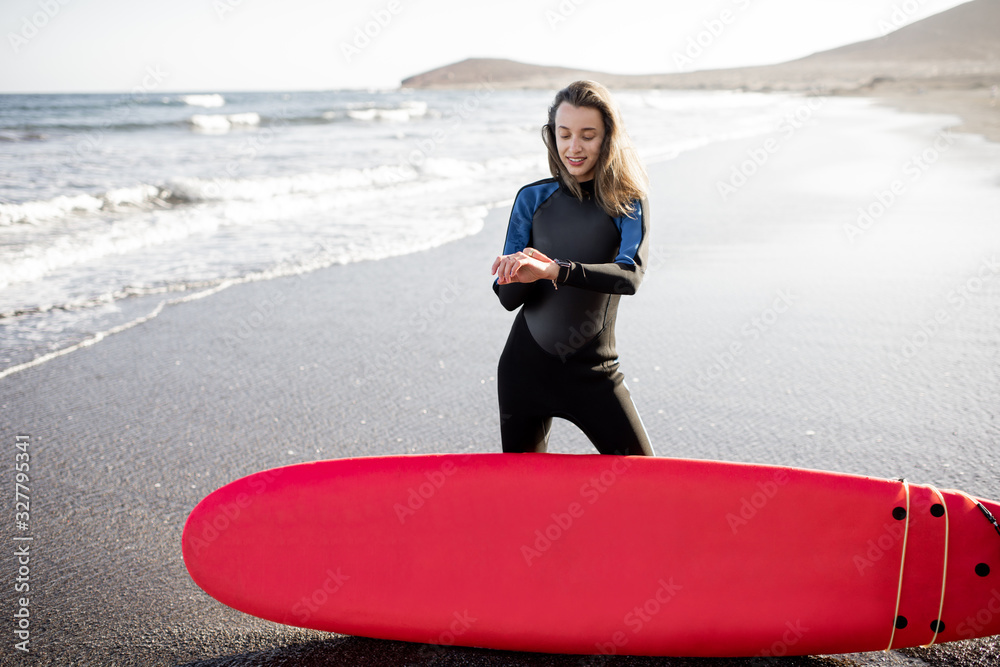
(784,319)
(975,100)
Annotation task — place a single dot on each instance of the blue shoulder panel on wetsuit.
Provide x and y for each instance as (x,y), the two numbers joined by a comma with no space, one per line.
(631,228)
(528,199)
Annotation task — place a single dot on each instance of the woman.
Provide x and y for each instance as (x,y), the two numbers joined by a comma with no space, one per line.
(575,243)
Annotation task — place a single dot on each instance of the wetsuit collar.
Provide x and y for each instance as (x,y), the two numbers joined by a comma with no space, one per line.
(587,187)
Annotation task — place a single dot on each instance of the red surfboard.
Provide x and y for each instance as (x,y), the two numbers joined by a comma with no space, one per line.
(588,554)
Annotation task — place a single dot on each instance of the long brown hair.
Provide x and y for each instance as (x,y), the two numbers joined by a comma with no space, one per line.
(619,178)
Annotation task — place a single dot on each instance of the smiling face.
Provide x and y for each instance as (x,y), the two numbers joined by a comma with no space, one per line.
(579,133)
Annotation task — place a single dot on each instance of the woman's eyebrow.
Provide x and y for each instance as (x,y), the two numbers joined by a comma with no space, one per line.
(586,129)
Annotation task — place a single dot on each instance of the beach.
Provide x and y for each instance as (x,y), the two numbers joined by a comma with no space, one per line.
(823,295)
(975,100)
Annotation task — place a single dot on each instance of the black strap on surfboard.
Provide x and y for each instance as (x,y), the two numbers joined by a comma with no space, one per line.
(989,516)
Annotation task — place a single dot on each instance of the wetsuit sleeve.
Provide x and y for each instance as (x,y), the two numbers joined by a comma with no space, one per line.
(624,274)
(514,295)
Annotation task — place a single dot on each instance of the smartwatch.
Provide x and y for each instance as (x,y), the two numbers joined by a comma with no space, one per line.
(564,267)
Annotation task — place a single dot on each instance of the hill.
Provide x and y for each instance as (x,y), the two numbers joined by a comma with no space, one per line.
(959,47)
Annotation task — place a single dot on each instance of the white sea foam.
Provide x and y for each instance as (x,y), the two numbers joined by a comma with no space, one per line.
(518,164)
(444,167)
(101,238)
(195,190)
(415,107)
(139,196)
(124,221)
(35,212)
(212,100)
(249,118)
(436,231)
(400,114)
(384,175)
(220,123)
(259,189)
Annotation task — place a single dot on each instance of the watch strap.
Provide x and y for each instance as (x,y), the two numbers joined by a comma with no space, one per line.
(564,268)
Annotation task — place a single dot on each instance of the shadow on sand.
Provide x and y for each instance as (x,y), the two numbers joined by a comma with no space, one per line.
(360,652)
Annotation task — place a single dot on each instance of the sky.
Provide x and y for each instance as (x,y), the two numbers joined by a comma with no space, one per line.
(228,45)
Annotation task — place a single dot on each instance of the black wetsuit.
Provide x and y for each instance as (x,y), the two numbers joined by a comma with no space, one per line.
(560,358)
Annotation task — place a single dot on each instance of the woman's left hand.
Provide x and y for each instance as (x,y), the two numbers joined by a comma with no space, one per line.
(525,266)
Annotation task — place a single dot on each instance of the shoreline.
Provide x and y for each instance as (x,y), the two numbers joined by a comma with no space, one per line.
(969,98)
(975,102)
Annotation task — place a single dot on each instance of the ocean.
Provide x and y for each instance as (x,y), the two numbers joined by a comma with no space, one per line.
(114,205)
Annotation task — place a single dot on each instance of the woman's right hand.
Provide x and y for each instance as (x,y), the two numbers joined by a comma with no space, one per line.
(524,266)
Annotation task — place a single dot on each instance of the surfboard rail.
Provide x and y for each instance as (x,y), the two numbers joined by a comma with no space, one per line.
(565,553)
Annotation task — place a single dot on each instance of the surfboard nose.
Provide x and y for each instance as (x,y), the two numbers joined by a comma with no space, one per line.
(973,597)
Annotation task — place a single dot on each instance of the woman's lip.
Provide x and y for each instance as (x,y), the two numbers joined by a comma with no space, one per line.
(575,161)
